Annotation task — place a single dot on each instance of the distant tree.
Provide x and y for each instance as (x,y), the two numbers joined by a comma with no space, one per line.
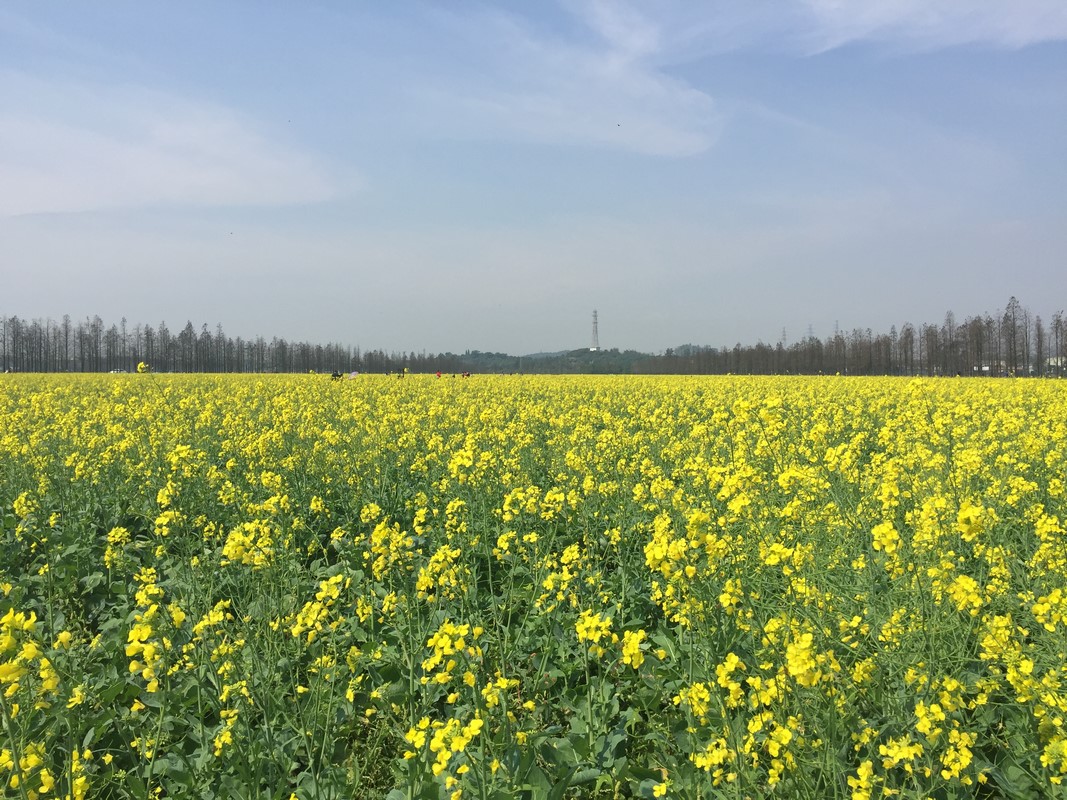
(149,355)
(948,347)
(125,347)
(204,348)
(995,342)
(65,337)
(931,348)
(187,348)
(1040,353)
(907,348)
(165,348)
(975,355)
(220,359)
(837,354)
(1058,341)
(33,334)
(1010,334)
(4,365)
(1027,342)
(112,348)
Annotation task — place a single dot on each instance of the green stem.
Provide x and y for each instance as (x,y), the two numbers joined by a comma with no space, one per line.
(589,706)
(155,751)
(16,755)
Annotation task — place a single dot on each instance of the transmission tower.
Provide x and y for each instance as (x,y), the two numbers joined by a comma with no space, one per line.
(596,338)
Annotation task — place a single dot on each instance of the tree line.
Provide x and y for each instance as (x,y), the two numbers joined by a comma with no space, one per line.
(89,345)
(1010,342)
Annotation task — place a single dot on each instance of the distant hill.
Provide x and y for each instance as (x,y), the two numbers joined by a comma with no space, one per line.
(564,361)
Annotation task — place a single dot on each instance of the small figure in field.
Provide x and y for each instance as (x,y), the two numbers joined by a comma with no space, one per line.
(336,376)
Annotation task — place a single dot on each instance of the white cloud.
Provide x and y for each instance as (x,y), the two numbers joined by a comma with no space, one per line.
(672,31)
(67,147)
(609,84)
(624,28)
(932,25)
(603,90)
(688,29)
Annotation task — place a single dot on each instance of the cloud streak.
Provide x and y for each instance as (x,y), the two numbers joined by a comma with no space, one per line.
(71,147)
(603,78)
(926,25)
(599,90)
(689,30)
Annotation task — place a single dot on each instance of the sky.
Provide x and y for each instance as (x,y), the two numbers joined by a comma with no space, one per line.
(482,176)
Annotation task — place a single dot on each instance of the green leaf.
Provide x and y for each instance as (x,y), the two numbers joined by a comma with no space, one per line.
(587,775)
(136,783)
(557,791)
(646,787)
(111,692)
(639,773)
(1015,782)
(559,752)
(537,782)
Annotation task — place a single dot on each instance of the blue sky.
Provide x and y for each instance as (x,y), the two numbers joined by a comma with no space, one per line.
(418,176)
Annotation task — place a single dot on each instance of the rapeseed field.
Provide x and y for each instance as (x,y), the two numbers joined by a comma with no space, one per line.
(544,587)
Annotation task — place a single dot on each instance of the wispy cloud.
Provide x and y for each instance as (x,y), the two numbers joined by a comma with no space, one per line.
(626,30)
(67,147)
(810,26)
(924,24)
(606,78)
(599,88)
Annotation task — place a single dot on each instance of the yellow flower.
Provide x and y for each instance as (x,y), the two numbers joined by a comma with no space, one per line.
(801,662)
(697,698)
(24,505)
(862,782)
(631,648)
(77,697)
(176,614)
(592,627)
(885,538)
(11,671)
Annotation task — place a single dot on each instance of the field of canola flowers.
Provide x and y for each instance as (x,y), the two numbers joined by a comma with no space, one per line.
(544,587)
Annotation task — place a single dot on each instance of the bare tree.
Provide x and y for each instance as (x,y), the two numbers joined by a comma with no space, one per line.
(1010,335)
(1040,357)
(907,348)
(1057,338)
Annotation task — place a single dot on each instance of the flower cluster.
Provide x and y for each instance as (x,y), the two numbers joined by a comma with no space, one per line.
(636,586)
